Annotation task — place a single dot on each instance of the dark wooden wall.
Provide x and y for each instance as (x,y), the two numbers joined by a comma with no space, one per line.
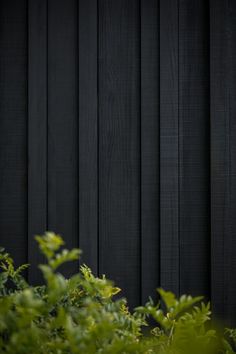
(118,130)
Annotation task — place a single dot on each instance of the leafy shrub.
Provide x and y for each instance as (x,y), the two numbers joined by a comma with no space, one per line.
(79,315)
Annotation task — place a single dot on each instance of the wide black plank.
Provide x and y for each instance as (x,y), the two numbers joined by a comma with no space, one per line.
(37,129)
(223,158)
(169,146)
(13,128)
(194,147)
(63,121)
(150,105)
(119,144)
(88,139)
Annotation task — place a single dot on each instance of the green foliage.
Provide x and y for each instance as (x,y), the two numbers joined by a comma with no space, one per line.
(80,315)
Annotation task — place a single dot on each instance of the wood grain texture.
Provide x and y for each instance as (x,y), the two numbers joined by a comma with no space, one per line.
(63,122)
(194,147)
(88,133)
(131,144)
(169,146)
(37,130)
(223,157)
(119,144)
(150,105)
(13,128)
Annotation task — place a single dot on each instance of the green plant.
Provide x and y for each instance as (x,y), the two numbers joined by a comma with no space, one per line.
(79,315)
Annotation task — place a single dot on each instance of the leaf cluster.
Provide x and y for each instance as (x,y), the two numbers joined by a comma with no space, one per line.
(81,315)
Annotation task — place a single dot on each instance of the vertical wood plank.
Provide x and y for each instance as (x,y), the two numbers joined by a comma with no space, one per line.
(88,141)
(169,145)
(37,129)
(194,147)
(223,157)
(150,106)
(63,122)
(119,144)
(13,128)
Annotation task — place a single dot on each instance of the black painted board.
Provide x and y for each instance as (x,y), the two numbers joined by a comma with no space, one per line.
(63,122)
(88,138)
(169,146)
(119,144)
(13,128)
(37,130)
(223,157)
(150,106)
(194,147)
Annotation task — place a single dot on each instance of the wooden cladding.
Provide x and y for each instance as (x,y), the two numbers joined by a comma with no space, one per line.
(117,130)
